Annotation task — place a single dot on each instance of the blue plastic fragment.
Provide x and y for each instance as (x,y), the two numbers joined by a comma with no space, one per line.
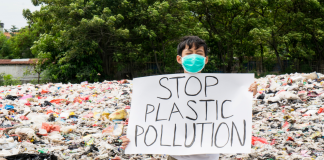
(8,107)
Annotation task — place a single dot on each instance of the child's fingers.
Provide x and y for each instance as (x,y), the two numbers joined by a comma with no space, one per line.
(124,139)
(125,143)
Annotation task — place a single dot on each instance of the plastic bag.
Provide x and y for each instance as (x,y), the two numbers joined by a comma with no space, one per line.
(258,139)
(57,101)
(50,128)
(24,156)
(119,114)
(9,107)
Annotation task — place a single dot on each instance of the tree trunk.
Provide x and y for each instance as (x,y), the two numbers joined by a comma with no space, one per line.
(109,65)
(163,46)
(318,63)
(274,45)
(241,70)
(105,63)
(38,78)
(230,62)
(156,62)
(279,60)
(261,47)
(221,54)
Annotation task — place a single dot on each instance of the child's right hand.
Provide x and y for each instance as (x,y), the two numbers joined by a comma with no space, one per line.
(254,88)
(125,141)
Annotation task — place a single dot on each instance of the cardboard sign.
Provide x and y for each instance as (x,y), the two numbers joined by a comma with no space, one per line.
(185,114)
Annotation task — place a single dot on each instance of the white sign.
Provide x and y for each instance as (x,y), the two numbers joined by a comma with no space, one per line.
(184,114)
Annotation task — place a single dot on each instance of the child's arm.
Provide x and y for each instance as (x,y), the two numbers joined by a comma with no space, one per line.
(125,141)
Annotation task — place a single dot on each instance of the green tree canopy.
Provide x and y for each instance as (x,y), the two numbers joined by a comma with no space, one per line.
(92,40)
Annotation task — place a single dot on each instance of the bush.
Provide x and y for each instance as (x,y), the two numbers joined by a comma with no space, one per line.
(305,68)
(1,79)
(9,80)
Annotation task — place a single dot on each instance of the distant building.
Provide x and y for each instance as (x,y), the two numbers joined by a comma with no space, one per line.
(7,34)
(17,67)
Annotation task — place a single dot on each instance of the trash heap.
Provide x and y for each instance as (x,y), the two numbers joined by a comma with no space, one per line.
(288,116)
(65,121)
(84,121)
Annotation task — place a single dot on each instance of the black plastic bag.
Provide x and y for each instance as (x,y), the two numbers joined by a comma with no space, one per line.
(24,156)
(10,97)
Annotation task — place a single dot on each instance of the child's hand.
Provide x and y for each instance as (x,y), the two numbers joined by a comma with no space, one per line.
(253,88)
(125,141)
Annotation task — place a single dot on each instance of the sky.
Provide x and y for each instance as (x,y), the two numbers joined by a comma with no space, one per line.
(11,12)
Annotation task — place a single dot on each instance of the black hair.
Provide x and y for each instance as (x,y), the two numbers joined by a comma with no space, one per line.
(190,40)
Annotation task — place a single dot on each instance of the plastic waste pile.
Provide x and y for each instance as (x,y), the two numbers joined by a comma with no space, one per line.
(288,116)
(84,121)
(65,121)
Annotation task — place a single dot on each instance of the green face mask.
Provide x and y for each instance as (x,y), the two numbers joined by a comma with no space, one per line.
(193,63)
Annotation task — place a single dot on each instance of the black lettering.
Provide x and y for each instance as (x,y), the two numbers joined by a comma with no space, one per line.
(138,134)
(174,135)
(165,88)
(207,100)
(192,110)
(157,114)
(150,111)
(186,87)
(216,109)
(209,85)
(162,136)
(193,138)
(222,110)
(148,128)
(212,135)
(222,137)
(175,111)
(202,131)
(244,134)
(177,83)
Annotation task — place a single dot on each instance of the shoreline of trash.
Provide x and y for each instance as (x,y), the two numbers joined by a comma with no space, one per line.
(81,121)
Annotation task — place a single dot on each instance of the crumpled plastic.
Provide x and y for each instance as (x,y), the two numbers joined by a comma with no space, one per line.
(258,139)
(50,128)
(89,118)
(65,121)
(287,121)
(31,157)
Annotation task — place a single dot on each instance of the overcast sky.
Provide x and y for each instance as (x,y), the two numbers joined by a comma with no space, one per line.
(11,12)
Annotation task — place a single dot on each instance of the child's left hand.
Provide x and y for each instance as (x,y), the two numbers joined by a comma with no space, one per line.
(253,88)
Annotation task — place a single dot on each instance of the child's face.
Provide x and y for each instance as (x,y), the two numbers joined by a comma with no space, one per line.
(193,50)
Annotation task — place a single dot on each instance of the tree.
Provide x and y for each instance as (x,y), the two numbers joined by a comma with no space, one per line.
(13,30)
(89,37)
(22,42)
(36,68)
(278,24)
(76,40)
(227,23)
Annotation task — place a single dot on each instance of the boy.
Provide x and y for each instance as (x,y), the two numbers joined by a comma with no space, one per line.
(192,55)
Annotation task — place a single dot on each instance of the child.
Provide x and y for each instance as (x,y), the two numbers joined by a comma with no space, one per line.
(192,55)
